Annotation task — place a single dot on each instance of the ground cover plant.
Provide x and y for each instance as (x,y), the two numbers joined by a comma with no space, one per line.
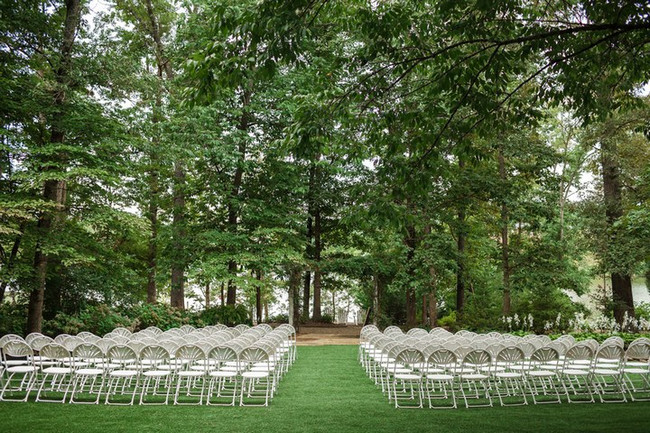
(325,391)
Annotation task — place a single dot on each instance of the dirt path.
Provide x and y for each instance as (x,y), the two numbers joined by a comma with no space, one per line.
(320,335)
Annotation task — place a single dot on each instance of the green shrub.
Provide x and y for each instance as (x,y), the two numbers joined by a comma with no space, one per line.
(228,315)
(642,311)
(279,318)
(448,321)
(160,315)
(13,319)
(326,318)
(98,319)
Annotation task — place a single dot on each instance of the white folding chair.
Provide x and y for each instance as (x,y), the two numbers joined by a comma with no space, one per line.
(122,384)
(155,375)
(89,368)
(542,382)
(191,380)
(256,384)
(20,371)
(636,370)
(55,380)
(440,376)
(224,373)
(407,379)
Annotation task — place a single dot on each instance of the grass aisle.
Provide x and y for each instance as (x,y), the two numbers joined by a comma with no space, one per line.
(325,391)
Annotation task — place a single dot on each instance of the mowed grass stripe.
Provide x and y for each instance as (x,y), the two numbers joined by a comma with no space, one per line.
(325,391)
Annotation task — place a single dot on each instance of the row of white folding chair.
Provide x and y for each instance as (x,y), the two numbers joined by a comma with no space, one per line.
(120,366)
(583,372)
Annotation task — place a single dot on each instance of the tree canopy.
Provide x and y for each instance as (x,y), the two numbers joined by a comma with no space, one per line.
(437,163)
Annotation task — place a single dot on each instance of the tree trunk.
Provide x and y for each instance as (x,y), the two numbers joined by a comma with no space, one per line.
(179,234)
(165,71)
(376,299)
(233,205)
(309,248)
(223,298)
(152,253)
(54,283)
(207,295)
(505,253)
(54,190)
(612,190)
(425,322)
(318,248)
(433,308)
(11,260)
(258,297)
(410,290)
(231,296)
(460,257)
(294,297)
(306,295)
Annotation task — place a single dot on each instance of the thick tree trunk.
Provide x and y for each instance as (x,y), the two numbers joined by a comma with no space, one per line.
(54,283)
(258,297)
(54,190)
(231,295)
(152,252)
(425,310)
(11,260)
(410,290)
(318,248)
(165,71)
(306,292)
(309,247)
(433,300)
(460,257)
(433,309)
(306,295)
(233,205)
(294,296)
(612,190)
(376,299)
(179,234)
(505,252)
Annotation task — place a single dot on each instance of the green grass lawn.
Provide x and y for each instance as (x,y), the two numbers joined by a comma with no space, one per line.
(325,391)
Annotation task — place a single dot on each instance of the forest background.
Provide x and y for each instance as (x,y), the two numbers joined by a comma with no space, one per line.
(467,163)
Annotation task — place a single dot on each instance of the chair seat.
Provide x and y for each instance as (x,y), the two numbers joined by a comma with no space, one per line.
(520,367)
(13,362)
(57,370)
(542,373)
(123,373)
(190,373)
(606,372)
(407,376)
(156,373)
(576,372)
(474,376)
(508,375)
(638,364)
(255,374)
(22,369)
(223,373)
(89,371)
(440,377)
(636,370)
